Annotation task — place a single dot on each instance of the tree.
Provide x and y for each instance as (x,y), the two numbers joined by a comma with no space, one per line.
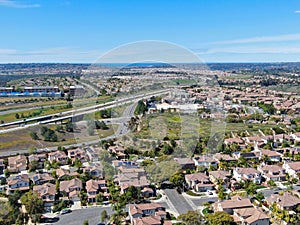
(17,116)
(167,149)
(271,183)
(250,188)
(141,108)
(70,126)
(33,165)
(221,192)
(34,135)
(177,179)
(219,218)
(191,218)
(104,216)
(133,193)
(259,196)
(32,150)
(101,125)
(33,205)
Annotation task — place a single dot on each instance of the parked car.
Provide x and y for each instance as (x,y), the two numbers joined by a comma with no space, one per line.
(65,211)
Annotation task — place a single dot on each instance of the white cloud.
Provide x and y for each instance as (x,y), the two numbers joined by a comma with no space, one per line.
(58,54)
(16,4)
(252,50)
(7,51)
(297,11)
(278,38)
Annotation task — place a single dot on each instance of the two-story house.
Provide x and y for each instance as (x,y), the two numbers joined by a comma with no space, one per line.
(272,172)
(58,156)
(17,163)
(205,161)
(292,168)
(47,192)
(145,210)
(287,201)
(236,202)
(93,187)
(250,216)
(247,174)
(95,169)
(199,182)
(78,154)
(220,176)
(39,158)
(71,188)
(17,183)
(272,155)
(41,178)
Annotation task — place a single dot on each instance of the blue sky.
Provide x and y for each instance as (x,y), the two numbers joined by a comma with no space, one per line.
(83,30)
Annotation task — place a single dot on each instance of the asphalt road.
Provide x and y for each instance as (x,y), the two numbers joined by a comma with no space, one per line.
(268,192)
(77,217)
(200,201)
(178,201)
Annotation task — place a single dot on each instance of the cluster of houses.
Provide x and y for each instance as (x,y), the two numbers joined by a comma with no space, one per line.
(63,183)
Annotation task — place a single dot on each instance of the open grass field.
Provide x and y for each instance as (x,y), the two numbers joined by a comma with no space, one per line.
(178,126)
(21,139)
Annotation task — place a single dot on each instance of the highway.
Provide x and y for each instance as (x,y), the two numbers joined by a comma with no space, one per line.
(78,112)
(122,129)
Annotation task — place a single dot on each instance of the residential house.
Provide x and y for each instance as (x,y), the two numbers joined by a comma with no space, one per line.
(236,202)
(47,192)
(199,182)
(292,168)
(246,155)
(17,183)
(95,169)
(273,156)
(78,154)
(287,201)
(250,216)
(65,174)
(247,174)
(58,156)
(255,141)
(205,161)
(17,163)
(230,141)
(185,163)
(220,176)
(92,153)
(41,178)
(224,157)
(2,166)
(148,220)
(132,177)
(118,151)
(93,187)
(39,158)
(147,192)
(295,136)
(146,210)
(71,188)
(272,172)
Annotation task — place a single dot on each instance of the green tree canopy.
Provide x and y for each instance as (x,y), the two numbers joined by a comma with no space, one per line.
(219,218)
(191,218)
